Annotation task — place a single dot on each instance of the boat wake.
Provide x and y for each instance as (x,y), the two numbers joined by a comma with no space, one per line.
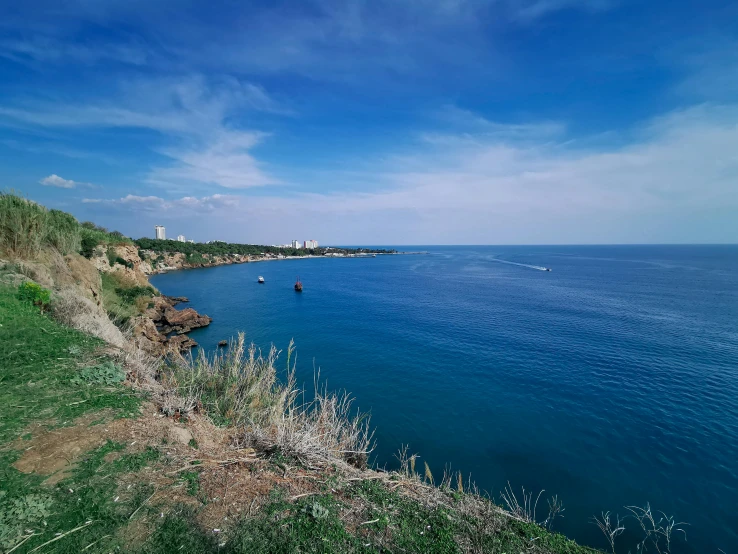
(529,266)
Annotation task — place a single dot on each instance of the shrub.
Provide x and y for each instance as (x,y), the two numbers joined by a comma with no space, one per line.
(129,295)
(121,261)
(88,244)
(35,294)
(99,235)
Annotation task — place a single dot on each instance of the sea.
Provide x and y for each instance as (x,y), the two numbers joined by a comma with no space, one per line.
(609,381)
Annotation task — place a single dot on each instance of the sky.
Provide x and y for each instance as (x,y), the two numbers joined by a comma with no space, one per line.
(372,122)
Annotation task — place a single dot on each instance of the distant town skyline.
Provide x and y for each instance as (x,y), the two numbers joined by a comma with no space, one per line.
(408,122)
(160,234)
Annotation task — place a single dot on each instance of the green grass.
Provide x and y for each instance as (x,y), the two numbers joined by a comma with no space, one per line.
(39,376)
(26,227)
(90,501)
(314,525)
(123,300)
(52,374)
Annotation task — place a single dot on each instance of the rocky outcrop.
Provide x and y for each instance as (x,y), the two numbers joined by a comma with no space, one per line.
(181,343)
(126,262)
(182,321)
(163,327)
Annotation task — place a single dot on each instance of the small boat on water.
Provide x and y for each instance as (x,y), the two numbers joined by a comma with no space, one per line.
(298,285)
(261,279)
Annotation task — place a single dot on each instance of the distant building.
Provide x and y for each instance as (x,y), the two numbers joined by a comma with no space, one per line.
(161,233)
(295,244)
(181,238)
(311,244)
(190,241)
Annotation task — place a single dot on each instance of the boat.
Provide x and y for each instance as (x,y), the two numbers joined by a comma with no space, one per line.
(548,269)
(261,279)
(298,285)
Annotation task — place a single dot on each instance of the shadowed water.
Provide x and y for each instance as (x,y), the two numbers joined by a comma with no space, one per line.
(610,381)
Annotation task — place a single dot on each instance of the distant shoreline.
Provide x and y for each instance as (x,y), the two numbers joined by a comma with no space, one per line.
(277,259)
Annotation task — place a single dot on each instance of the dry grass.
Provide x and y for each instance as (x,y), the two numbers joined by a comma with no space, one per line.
(72,309)
(241,387)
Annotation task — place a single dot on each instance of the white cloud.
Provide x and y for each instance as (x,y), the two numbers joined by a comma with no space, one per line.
(194,114)
(159,205)
(492,191)
(56,181)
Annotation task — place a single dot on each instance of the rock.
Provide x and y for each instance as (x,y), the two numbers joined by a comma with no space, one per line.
(183,321)
(180,434)
(145,327)
(223,343)
(180,342)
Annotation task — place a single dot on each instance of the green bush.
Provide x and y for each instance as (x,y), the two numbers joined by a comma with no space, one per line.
(35,294)
(129,295)
(88,244)
(99,235)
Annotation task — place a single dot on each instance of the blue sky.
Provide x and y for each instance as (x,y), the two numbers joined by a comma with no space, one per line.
(373,122)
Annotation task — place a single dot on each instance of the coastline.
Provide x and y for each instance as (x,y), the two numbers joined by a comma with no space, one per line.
(250,259)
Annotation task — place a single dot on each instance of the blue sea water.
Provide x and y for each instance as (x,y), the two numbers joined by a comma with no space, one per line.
(610,381)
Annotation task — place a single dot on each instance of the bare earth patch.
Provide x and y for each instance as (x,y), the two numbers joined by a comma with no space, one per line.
(54,452)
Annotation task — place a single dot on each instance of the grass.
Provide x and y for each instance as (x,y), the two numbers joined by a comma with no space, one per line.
(123,299)
(81,509)
(52,374)
(241,388)
(40,368)
(27,227)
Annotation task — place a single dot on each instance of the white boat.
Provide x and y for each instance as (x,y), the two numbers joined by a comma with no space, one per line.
(261,279)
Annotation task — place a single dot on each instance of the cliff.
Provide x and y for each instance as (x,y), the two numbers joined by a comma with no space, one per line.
(106,447)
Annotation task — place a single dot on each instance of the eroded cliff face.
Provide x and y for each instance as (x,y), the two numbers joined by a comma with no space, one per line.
(125,261)
(160,328)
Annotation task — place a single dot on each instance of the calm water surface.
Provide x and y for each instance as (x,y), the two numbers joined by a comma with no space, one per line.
(610,381)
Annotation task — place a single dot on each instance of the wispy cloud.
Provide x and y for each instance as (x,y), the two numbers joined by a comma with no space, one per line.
(192,113)
(158,204)
(494,191)
(47,49)
(528,10)
(470,122)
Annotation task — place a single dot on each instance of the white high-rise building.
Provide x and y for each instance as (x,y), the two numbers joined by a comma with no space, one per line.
(181,238)
(311,244)
(295,243)
(161,233)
